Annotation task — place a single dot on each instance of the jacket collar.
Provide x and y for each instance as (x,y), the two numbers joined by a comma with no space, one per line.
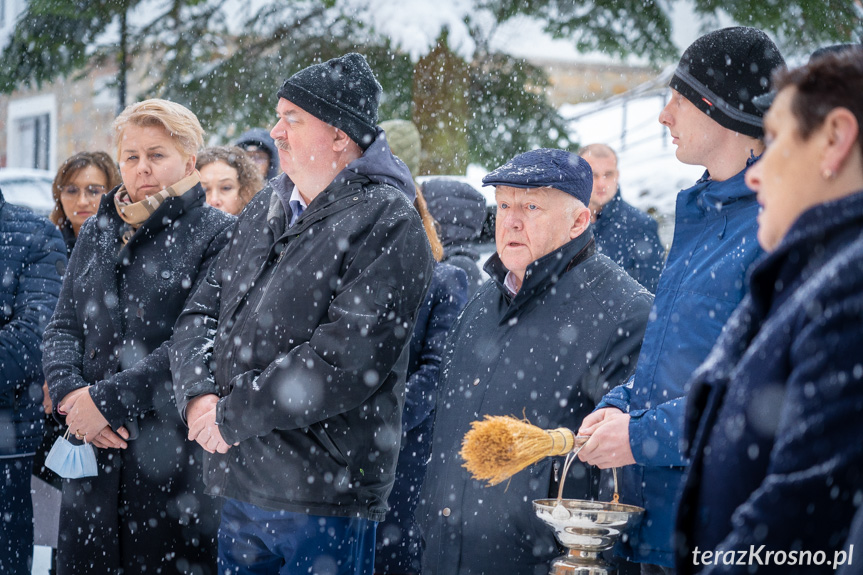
(325,203)
(610,209)
(710,196)
(544,272)
(165,215)
(804,246)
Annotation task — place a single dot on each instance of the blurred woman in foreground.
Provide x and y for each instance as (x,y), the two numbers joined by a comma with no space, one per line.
(106,363)
(775,414)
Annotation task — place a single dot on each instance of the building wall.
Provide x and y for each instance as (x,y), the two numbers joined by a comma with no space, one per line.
(575,82)
(79,114)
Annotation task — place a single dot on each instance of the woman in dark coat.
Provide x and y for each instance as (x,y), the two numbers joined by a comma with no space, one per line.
(106,359)
(775,414)
(78,188)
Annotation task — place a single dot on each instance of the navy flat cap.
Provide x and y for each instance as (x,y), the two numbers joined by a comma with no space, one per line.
(543,168)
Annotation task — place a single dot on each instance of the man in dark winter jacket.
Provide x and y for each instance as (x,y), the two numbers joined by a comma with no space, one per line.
(32,261)
(714,124)
(622,232)
(460,210)
(289,362)
(262,149)
(555,328)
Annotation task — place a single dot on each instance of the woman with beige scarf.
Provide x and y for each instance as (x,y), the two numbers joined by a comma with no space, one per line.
(105,360)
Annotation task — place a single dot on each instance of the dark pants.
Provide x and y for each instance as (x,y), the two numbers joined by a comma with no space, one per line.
(16,515)
(256,541)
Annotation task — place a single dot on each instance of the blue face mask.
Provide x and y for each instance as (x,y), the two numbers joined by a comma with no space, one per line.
(71,461)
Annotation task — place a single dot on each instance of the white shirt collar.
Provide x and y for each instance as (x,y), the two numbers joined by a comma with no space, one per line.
(296,197)
(510,282)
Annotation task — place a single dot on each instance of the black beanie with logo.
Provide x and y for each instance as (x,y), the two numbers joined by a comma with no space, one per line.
(722,71)
(343,92)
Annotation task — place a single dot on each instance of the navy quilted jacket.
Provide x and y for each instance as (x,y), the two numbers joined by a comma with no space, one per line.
(32,261)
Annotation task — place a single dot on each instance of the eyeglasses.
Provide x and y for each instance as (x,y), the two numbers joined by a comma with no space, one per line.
(92,191)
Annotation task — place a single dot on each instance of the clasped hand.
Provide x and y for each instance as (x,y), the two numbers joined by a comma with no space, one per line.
(608,445)
(87,422)
(201,417)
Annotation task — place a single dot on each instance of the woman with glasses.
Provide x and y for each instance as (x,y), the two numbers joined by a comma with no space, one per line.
(80,183)
(105,357)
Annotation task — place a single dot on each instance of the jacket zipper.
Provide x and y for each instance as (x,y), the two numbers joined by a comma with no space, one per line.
(270,281)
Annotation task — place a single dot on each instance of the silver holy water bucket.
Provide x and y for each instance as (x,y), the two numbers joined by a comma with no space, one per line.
(586,529)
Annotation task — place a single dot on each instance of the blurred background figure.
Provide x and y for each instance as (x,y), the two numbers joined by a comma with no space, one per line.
(457,208)
(260,146)
(460,210)
(78,188)
(770,414)
(32,261)
(622,232)
(229,177)
(398,541)
(106,359)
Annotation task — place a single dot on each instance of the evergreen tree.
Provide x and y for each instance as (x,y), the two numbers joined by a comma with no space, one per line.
(226,66)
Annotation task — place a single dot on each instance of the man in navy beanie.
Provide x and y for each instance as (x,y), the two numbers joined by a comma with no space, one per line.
(638,426)
(289,363)
(555,327)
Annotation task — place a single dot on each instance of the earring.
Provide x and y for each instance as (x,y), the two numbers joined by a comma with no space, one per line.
(828,174)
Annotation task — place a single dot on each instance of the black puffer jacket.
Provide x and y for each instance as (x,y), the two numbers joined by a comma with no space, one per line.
(302,332)
(32,259)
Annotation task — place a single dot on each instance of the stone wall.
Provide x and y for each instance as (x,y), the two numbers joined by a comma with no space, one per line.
(574,82)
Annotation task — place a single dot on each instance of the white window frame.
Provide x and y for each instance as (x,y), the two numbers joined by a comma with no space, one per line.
(25,108)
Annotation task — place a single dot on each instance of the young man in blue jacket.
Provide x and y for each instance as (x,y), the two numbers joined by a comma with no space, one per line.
(638,425)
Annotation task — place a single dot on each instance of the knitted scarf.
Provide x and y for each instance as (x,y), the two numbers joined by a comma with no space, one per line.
(135,214)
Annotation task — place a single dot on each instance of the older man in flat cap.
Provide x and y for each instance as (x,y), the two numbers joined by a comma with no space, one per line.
(555,327)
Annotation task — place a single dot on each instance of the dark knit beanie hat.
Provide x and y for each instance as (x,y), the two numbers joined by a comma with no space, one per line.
(342,92)
(722,72)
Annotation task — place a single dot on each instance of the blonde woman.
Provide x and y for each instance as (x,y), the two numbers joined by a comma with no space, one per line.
(106,360)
